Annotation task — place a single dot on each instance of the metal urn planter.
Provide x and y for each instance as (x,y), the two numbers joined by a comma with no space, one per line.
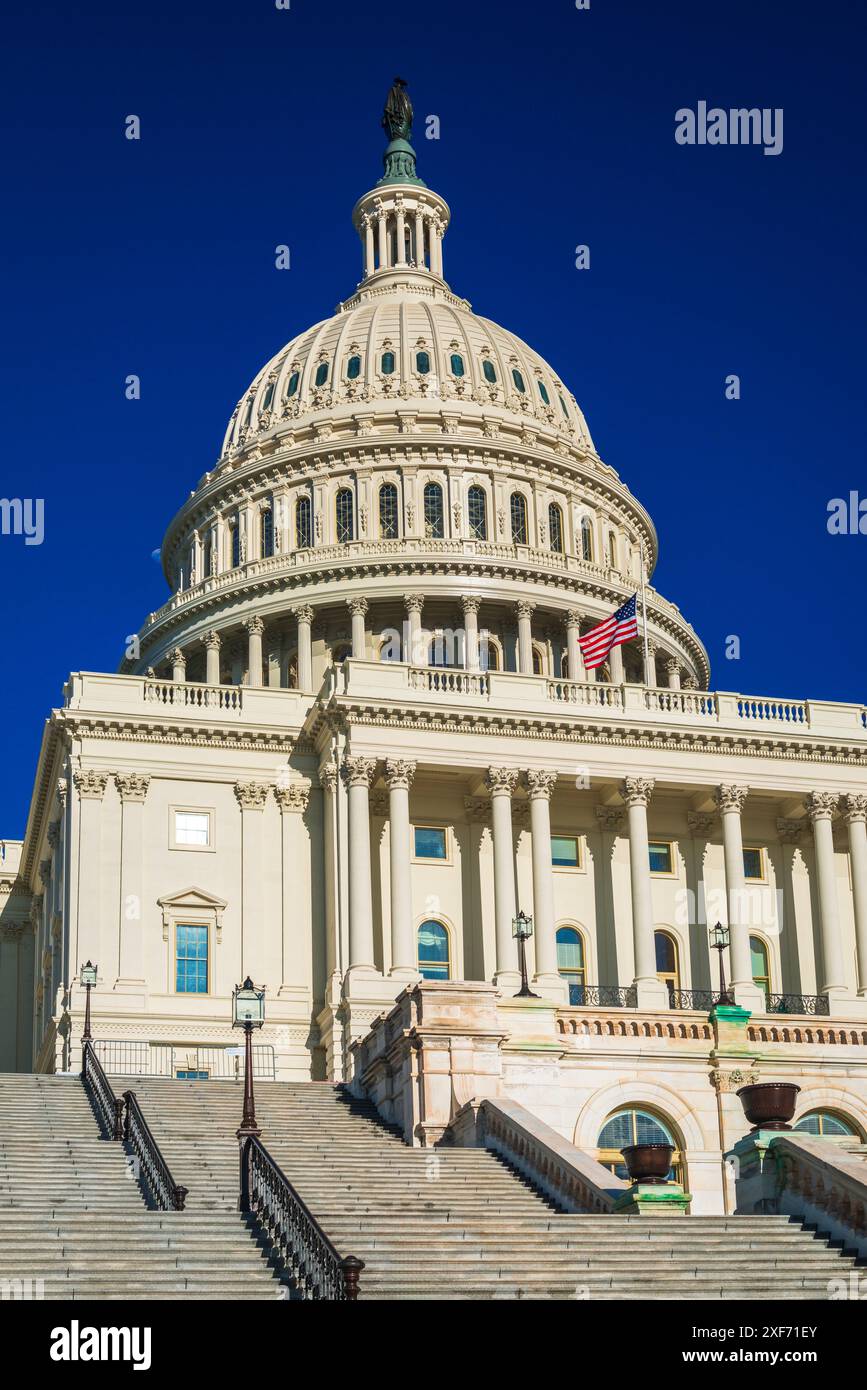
(769,1104)
(648,1162)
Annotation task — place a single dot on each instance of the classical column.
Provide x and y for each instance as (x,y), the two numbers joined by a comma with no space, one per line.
(436,246)
(179,664)
(398,777)
(419,238)
(574,663)
(252,797)
(470,605)
(501,782)
(255,627)
(213,642)
(367,226)
(303,614)
(615,662)
(672,667)
(358,775)
(358,609)
(296,942)
(855,814)
(400,231)
(525,636)
(540,786)
(328,778)
(821,807)
(414,655)
(90,786)
(133,789)
(382,236)
(730,799)
(650,676)
(651,991)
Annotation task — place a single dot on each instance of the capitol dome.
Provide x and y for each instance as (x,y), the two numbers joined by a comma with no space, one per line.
(407,456)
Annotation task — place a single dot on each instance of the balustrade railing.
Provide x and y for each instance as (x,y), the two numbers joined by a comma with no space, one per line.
(193,694)
(699,999)
(318,1270)
(450,681)
(592,693)
(109,1107)
(154,1170)
(604,996)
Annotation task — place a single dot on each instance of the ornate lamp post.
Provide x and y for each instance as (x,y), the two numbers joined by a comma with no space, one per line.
(522,930)
(248,1012)
(87,976)
(719,939)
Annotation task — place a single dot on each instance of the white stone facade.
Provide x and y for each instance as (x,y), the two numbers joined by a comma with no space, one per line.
(378,591)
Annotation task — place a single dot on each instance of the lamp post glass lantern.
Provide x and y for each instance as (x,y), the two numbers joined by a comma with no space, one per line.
(522,930)
(88,977)
(248,1012)
(719,940)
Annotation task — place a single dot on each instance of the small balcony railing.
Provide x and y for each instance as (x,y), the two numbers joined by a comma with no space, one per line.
(604,996)
(814,1004)
(702,1000)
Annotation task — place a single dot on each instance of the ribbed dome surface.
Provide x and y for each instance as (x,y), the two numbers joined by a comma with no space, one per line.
(409,344)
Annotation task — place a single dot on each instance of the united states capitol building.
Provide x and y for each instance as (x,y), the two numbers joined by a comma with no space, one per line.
(358,738)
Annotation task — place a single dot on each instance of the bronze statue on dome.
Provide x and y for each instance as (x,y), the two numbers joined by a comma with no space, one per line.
(397,116)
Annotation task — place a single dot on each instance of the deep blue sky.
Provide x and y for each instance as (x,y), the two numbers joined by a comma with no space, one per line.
(261,127)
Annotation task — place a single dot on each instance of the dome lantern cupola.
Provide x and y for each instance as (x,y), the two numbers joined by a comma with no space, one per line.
(401,222)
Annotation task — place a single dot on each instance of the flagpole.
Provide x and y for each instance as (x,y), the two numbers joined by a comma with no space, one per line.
(644,614)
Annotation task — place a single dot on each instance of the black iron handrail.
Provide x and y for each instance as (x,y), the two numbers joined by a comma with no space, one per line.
(604,996)
(109,1107)
(317,1268)
(702,1000)
(168,1194)
(816,1004)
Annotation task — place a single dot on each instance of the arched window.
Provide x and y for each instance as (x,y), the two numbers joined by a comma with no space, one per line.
(353,368)
(457,364)
(518,380)
(586,538)
(490,371)
(434,517)
(303,526)
(387,363)
(207,559)
(823,1122)
(388,512)
(268,396)
(267,532)
(633,1126)
(760,967)
(570,961)
(538,660)
(235,540)
(666,960)
(321,374)
(477,511)
(518,509)
(543,392)
(489,653)
(612,550)
(433,951)
(555,527)
(422,363)
(293,385)
(344,513)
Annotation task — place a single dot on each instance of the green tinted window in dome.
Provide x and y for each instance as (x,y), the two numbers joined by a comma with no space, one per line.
(422,363)
(543,392)
(457,364)
(249,411)
(268,396)
(321,374)
(563,407)
(353,368)
(518,380)
(490,371)
(293,384)
(387,363)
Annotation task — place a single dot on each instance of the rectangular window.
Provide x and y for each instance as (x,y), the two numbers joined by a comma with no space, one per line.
(564,852)
(661,857)
(193,829)
(192,1075)
(430,842)
(754,864)
(191,959)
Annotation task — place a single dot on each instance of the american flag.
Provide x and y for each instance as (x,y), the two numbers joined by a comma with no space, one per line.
(620,627)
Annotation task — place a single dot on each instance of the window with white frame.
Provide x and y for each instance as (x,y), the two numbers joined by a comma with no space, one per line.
(191,829)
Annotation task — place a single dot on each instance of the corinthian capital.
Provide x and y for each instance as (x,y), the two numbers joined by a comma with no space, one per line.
(730,796)
(854,808)
(357,606)
(133,786)
(89,784)
(254,626)
(213,640)
(293,796)
(540,783)
(414,602)
(637,791)
(303,613)
(821,805)
(501,781)
(524,609)
(470,603)
(399,773)
(328,776)
(358,772)
(251,795)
